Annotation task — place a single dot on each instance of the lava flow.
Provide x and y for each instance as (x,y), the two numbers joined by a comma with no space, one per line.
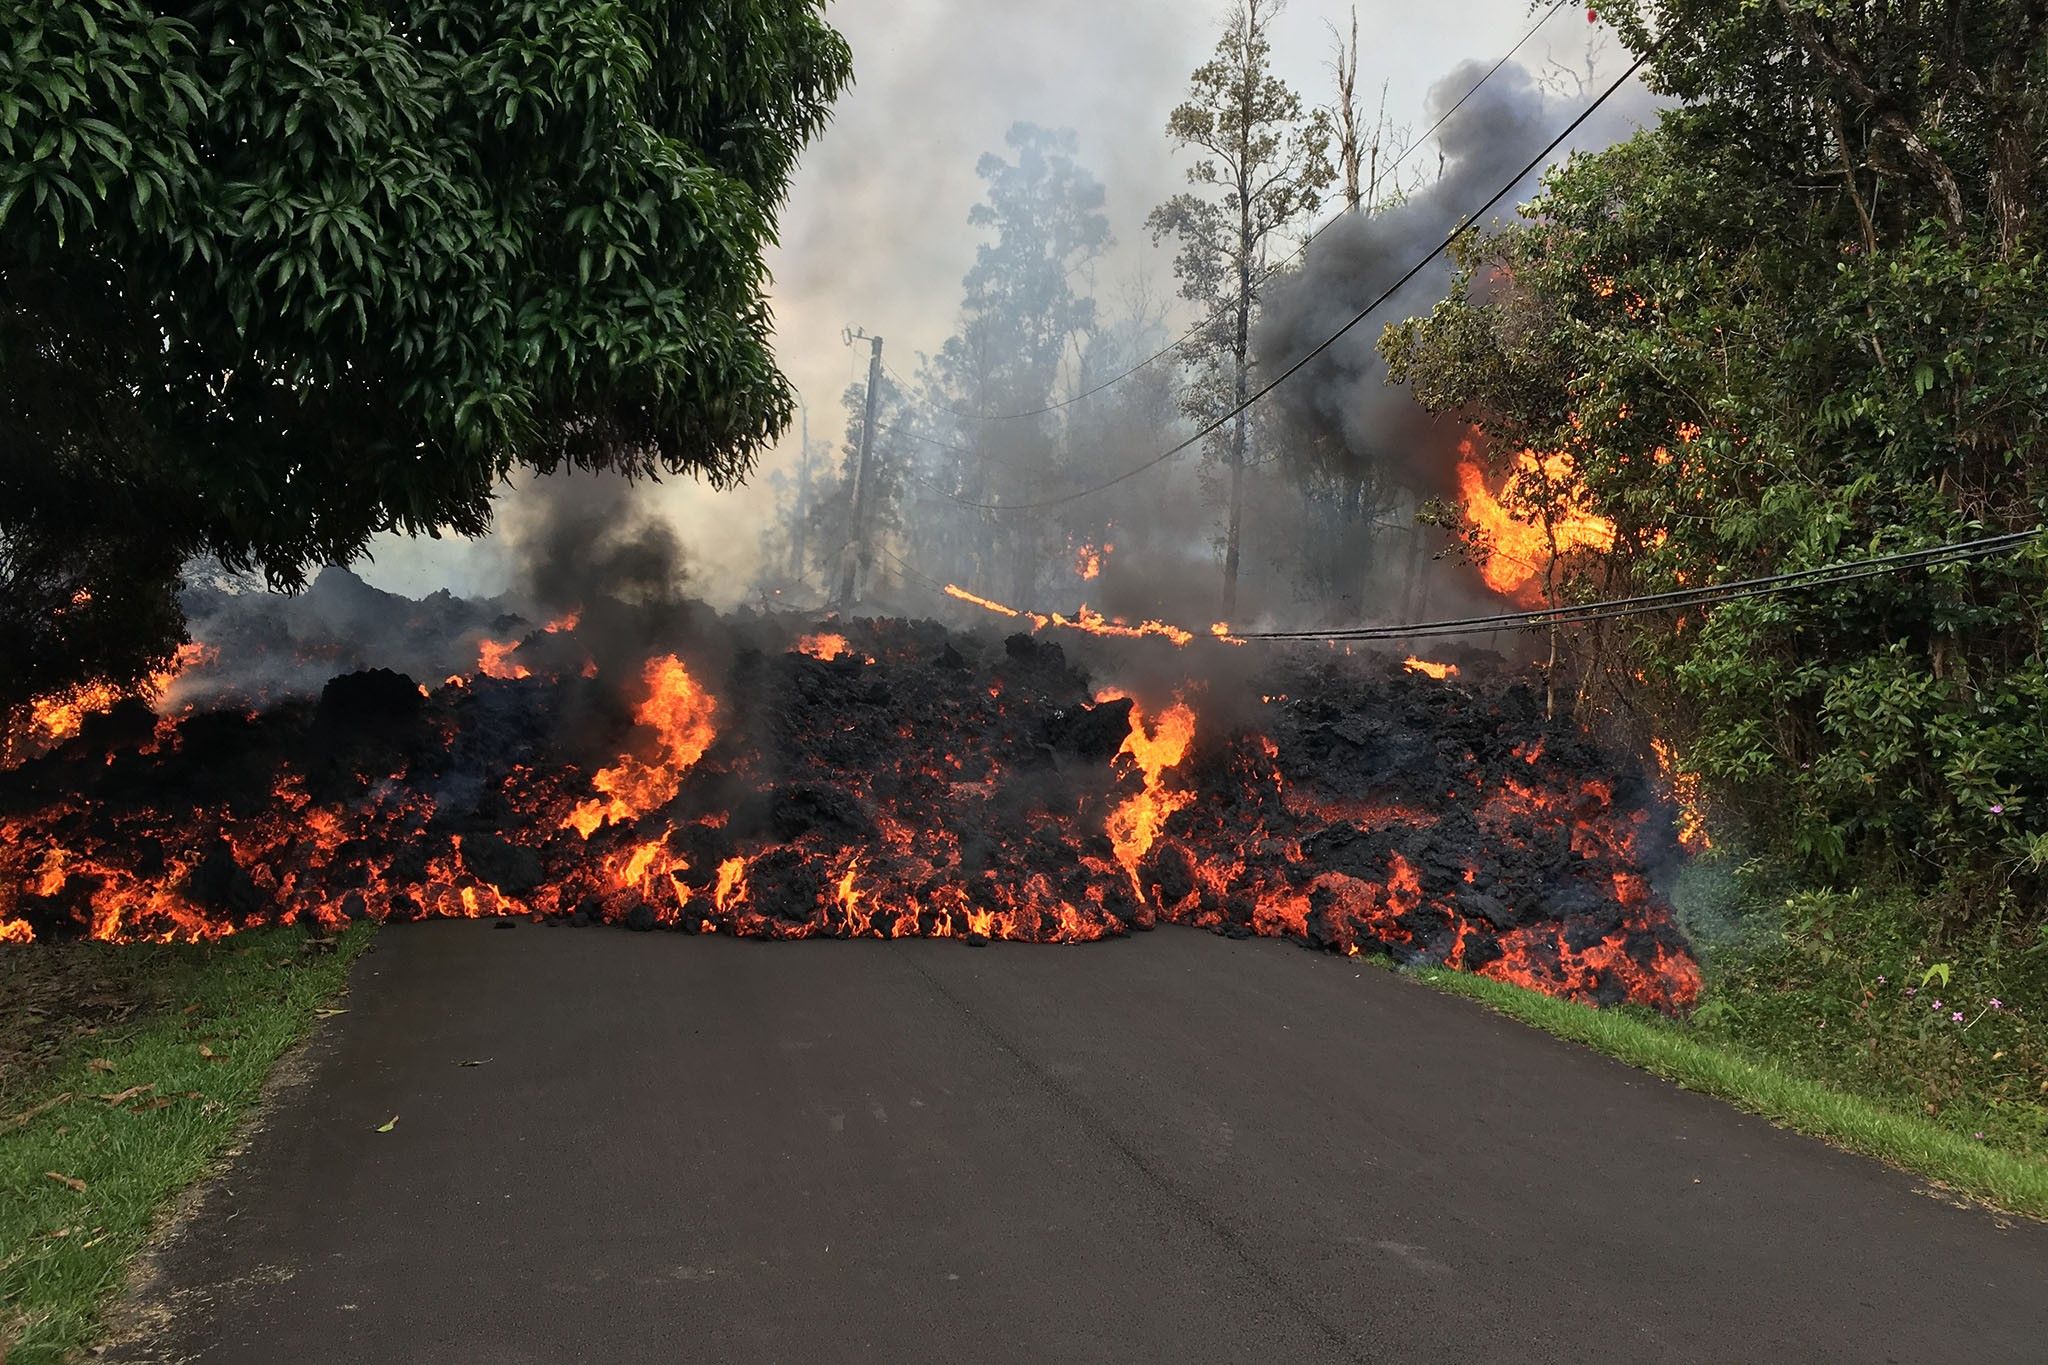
(883,779)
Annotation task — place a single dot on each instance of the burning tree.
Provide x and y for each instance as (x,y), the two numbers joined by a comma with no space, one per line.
(1798,321)
(278,278)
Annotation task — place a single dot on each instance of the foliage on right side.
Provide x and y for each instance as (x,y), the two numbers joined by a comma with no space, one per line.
(1798,321)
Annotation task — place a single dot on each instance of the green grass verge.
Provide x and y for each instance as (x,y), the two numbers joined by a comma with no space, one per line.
(213,1021)
(2015,1183)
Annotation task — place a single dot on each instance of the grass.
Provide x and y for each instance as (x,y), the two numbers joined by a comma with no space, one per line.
(125,1074)
(1864,1116)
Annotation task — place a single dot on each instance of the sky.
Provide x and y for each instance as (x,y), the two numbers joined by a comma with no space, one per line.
(875,232)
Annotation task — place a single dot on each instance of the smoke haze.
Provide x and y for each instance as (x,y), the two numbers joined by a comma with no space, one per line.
(875,235)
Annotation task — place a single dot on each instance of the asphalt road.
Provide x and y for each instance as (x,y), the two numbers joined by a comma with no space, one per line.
(1176,1148)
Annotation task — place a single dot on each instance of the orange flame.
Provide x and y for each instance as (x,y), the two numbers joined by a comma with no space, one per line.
(1684,788)
(987,604)
(48,721)
(1095,623)
(1430,668)
(1135,825)
(494,657)
(823,646)
(1517,550)
(1088,561)
(492,660)
(679,712)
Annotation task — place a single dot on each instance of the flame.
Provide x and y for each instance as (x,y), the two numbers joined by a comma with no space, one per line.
(1517,550)
(987,604)
(1430,668)
(679,712)
(1685,793)
(1095,623)
(48,721)
(1088,561)
(823,646)
(1135,825)
(59,717)
(491,660)
(493,657)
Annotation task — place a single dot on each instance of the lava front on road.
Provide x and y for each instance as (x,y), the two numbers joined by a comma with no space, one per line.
(874,779)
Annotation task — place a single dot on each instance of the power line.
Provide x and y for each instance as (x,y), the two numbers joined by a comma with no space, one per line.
(1215,313)
(1795,580)
(920,436)
(1471,222)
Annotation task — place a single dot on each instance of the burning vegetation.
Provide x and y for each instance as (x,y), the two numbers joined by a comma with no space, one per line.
(878,779)
(1538,515)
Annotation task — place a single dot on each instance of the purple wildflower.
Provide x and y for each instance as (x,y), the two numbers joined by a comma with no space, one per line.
(1957,1017)
(1912,991)
(1998,808)
(1997,1004)
(1979,1136)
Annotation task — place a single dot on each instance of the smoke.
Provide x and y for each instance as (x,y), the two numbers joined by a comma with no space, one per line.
(1343,398)
(576,537)
(1344,394)
(876,234)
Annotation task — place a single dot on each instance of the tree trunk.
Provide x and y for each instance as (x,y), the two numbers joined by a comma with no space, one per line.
(1347,115)
(1241,428)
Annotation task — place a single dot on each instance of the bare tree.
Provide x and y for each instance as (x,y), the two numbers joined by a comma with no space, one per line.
(1264,161)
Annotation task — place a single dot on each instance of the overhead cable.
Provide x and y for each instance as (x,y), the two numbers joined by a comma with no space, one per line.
(1221,311)
(1470,223)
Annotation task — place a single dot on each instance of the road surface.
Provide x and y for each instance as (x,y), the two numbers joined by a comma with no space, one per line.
(1174,1148)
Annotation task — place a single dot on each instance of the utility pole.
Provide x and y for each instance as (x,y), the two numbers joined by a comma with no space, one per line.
(858,556)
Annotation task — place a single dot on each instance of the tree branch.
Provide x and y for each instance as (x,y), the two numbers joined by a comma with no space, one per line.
(1823,51)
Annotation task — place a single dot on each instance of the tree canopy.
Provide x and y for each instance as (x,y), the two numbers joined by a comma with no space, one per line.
(1799,321)
(276,278)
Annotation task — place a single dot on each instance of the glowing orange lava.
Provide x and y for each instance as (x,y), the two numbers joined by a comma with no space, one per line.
(824,646)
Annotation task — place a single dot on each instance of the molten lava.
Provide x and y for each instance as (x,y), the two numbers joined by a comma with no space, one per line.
(951,787)
(824,645)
